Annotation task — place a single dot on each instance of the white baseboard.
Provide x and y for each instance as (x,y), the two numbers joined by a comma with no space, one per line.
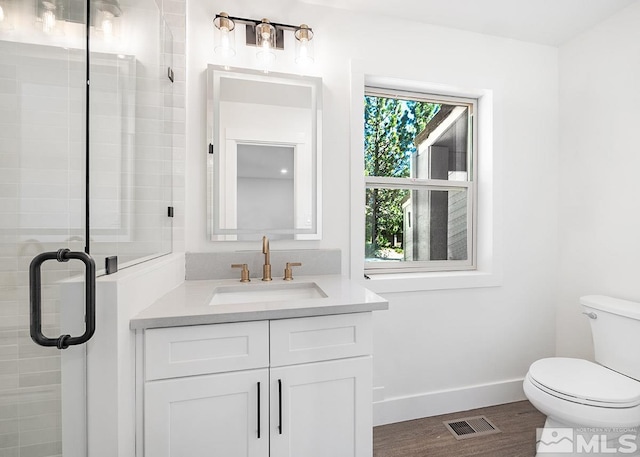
(400,409)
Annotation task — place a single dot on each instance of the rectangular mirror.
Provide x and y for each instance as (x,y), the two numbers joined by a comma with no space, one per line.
(264,163)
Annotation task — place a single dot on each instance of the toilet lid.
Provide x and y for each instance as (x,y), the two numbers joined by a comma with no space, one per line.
(584,380)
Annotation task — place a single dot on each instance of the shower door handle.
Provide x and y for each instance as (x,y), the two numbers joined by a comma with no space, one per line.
(35,298)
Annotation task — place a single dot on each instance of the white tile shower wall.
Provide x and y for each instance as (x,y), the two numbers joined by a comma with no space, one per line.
(45,115)
(112,108)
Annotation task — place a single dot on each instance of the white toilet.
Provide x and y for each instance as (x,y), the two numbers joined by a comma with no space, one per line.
(596,397)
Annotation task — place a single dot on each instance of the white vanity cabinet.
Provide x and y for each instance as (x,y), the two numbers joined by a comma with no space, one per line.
(282,388)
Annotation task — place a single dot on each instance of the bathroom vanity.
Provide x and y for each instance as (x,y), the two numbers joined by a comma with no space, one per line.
(256,369)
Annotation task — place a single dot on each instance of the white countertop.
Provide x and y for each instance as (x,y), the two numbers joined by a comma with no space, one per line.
(188,304)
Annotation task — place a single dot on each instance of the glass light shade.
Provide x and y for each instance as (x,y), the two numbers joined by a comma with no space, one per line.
(224,36)
(106,24)
(265,35)
(48,17)
(1,13)
(304,45)
(266,43)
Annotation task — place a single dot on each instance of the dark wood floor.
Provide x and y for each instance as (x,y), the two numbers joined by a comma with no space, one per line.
(429,437)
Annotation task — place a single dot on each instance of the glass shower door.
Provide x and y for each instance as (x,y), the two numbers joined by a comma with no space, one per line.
(105,189)
(131,137)
(42,195)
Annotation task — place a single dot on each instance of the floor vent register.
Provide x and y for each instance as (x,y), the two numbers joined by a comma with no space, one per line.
(469,427)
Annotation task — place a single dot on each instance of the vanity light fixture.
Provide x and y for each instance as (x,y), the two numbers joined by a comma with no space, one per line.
(103,15)
(267,36)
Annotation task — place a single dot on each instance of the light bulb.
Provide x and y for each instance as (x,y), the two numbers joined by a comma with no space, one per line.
(266,56)
(303,54)
(225,43)
(48,17)
(107,25)
(48,21)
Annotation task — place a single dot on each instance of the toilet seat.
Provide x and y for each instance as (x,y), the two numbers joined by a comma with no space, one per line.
(584,382)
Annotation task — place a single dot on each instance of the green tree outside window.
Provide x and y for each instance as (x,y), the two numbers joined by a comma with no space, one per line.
(390,127)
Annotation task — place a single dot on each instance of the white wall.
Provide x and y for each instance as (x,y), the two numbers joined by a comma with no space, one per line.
(440,350)
(111,353)
(599,162)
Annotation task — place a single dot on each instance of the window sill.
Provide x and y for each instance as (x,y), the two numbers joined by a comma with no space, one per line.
(441,280)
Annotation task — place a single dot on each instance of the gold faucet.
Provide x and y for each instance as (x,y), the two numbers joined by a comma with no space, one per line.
(266,268)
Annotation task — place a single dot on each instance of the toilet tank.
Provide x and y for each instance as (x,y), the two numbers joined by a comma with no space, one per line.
(615,325)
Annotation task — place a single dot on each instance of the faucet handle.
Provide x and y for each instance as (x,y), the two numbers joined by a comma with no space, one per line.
(288,274)
(244,274)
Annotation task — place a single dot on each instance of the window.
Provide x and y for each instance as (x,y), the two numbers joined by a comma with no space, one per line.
(420,184)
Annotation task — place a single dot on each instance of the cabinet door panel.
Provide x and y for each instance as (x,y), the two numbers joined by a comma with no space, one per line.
(326,409)
(214,415)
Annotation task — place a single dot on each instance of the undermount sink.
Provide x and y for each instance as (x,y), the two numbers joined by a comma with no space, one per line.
(257,293)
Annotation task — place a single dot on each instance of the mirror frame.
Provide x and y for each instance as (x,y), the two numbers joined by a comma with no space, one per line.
(216,163)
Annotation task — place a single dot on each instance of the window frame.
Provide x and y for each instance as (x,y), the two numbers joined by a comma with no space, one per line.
(409,183)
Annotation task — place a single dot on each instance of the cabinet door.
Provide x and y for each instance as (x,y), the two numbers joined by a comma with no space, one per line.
(213,415)
(322,409)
